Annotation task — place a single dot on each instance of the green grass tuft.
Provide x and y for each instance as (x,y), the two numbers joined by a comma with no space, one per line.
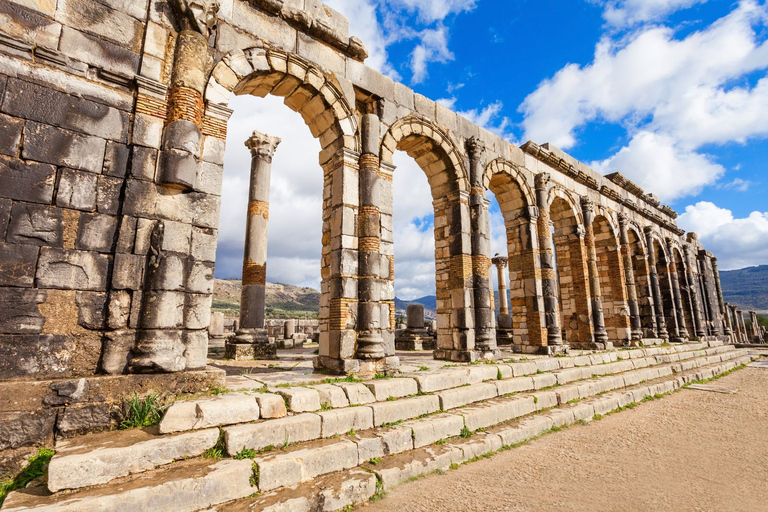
(141,412)
(245,453)
(36,467)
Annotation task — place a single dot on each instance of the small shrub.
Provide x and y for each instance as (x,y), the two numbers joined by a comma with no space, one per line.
(380,493)
(36,467)
(141,412)
(465,432)
(498,374)
(245,453)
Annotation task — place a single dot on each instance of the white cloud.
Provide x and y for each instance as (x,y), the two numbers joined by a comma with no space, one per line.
(624,13)
(738,185)
(673,95)
(490,118)
(738,243)
(430,11)
(432,48)
(657,164)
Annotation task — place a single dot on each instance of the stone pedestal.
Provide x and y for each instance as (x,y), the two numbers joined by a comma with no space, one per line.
(415,336)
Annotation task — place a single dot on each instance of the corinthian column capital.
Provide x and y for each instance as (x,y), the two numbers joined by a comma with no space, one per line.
(262,145)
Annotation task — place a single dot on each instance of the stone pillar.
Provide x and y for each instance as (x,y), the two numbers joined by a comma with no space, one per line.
(598,319)
(415,336)
(720,299)
(370,343)
(742,326)
(674,278)
(289,329)
(485,332)
(692,281)
(549,283)
(504,334)
(710,290)
(755,327)
(658,305)
(735,327)
(729,321)
(629,280)
(252,340)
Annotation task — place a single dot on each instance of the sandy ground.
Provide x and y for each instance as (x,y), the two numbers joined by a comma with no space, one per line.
(691,451)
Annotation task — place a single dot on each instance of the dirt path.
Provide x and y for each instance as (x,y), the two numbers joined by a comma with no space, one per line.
(691,451)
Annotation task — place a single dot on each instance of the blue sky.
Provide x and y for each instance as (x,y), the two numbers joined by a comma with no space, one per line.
(672,93)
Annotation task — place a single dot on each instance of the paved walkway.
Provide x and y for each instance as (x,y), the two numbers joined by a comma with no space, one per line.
(691,451)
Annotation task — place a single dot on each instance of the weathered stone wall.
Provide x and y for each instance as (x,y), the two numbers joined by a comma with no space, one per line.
(113,119)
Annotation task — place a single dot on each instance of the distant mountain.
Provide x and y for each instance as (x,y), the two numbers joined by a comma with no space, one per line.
(748,288)
(283,300)
(429,302)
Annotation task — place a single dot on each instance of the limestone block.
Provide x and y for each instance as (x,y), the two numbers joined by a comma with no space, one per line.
(197,311)
(368,447)
(392,388)
(147,131)
(49,144)
(437,458)
(371,80)
(96,232)
(284,469)
(277,471)
(79,419)
(128,271)
(429,430)
(167,310)
(357,394)
(331,395)
(567,393)
(195,349)
(271,405)
(271,29)
(523,368)
(203,245)
(156,40)
(293,429)
(116,159)
(209,178)
(545,400)
(102,21)
(144,162)
(5,216)
(210,412)
(481,373)
(28,26)
(77,190)
(341,421)
(18,264)
(544,380)
(315,51)
(495,412)
(35,225)
(72,270)
(408,408)
(300,399)
(200,278)
(101,464)
(116,351)
(27,181)
(108,194)
(213,150)
(19,313)
(457,397)
(119,309)
(443,379)
(178,168)
(11,129)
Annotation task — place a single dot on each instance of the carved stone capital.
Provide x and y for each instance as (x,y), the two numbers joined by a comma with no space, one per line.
(500,261)
(197,15)
(623,220)
(542,180)
(587,205)
(475,148)
(262,145)
(580,232)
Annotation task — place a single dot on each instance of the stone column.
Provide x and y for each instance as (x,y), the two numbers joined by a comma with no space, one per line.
(252,340)
(598,319)
(370,343)
(549,283)
(501,263)
(693,288)
(736,330)
(729,320)
(708,279)
(755,328)
(629,280)
(720,299)
(485,332)
(742,326)
(658,305)
(674,277)
(415,336)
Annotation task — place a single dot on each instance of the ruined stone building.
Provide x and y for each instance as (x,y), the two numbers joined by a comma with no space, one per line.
(113,117)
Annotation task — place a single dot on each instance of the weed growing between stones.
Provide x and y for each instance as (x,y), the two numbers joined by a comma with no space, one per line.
(351,432)
(597,417)
(423,368)
(36,467)
(325,406)
(245,453)
(375,461)
(499,376)
(254,480)
(141,412)
(465,432)
(219,450)
(380,493)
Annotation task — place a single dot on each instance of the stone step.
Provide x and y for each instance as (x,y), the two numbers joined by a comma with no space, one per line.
(70,471)
(304,463)
(423,459)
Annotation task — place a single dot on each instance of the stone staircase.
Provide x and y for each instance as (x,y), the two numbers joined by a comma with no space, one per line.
(325,446)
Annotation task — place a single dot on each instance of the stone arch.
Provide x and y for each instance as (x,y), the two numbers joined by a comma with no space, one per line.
(571,265)
(306,89)
(610,269)
(432,149)
(642,279)
(664,270)
(448,179)
(515,200)
(685,289)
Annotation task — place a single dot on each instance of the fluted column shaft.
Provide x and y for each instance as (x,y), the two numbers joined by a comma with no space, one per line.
(629,280)
(598,318)
(370,343)
(692,283)
(658,305)
(719,291)
(253,302)
(547,262)
(677,297)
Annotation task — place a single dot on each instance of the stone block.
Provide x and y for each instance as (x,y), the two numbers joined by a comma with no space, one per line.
(443,379)
(396,439)
(144,163)
(195,349)
(300,399)
(457,397)
(293,429)
(147,131)
(567,393)
(80,419)
(545,400)
(17,264)
(370,80)
(19,312)
(408,408)
(96,232)
(77,190)
(26,428)
(167,311)
(43,355)
(544,380)
(116,158)
(91,309)
(72,270)
(27,181)
(368,447)
(204,244)
(98,53)
(200,277)
(116,351)
(271,405)
(178,168)
(11,129)
(108,195)
(35,225)
(342,421)
(5,216)
(331,396)
(209,178)
(523,368)
(357,394)
(430,430)
(213,150)
(118,309)
(495,412)
(53,145)
(128,271)
(481,373)
(28,26)
(104,458)
(225,409)
(197,311)
(392,388)
(277,471)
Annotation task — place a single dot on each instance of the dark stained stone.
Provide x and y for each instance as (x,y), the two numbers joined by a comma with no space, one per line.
(91,309)
(108,195)
(26,428)
(10,135)
(17,264)
(27,181)
(65,148)
(19,313)
(5,215)
(72,270)
(82,419)
(116,159)
(35,355)
(96,232)
(34,224)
